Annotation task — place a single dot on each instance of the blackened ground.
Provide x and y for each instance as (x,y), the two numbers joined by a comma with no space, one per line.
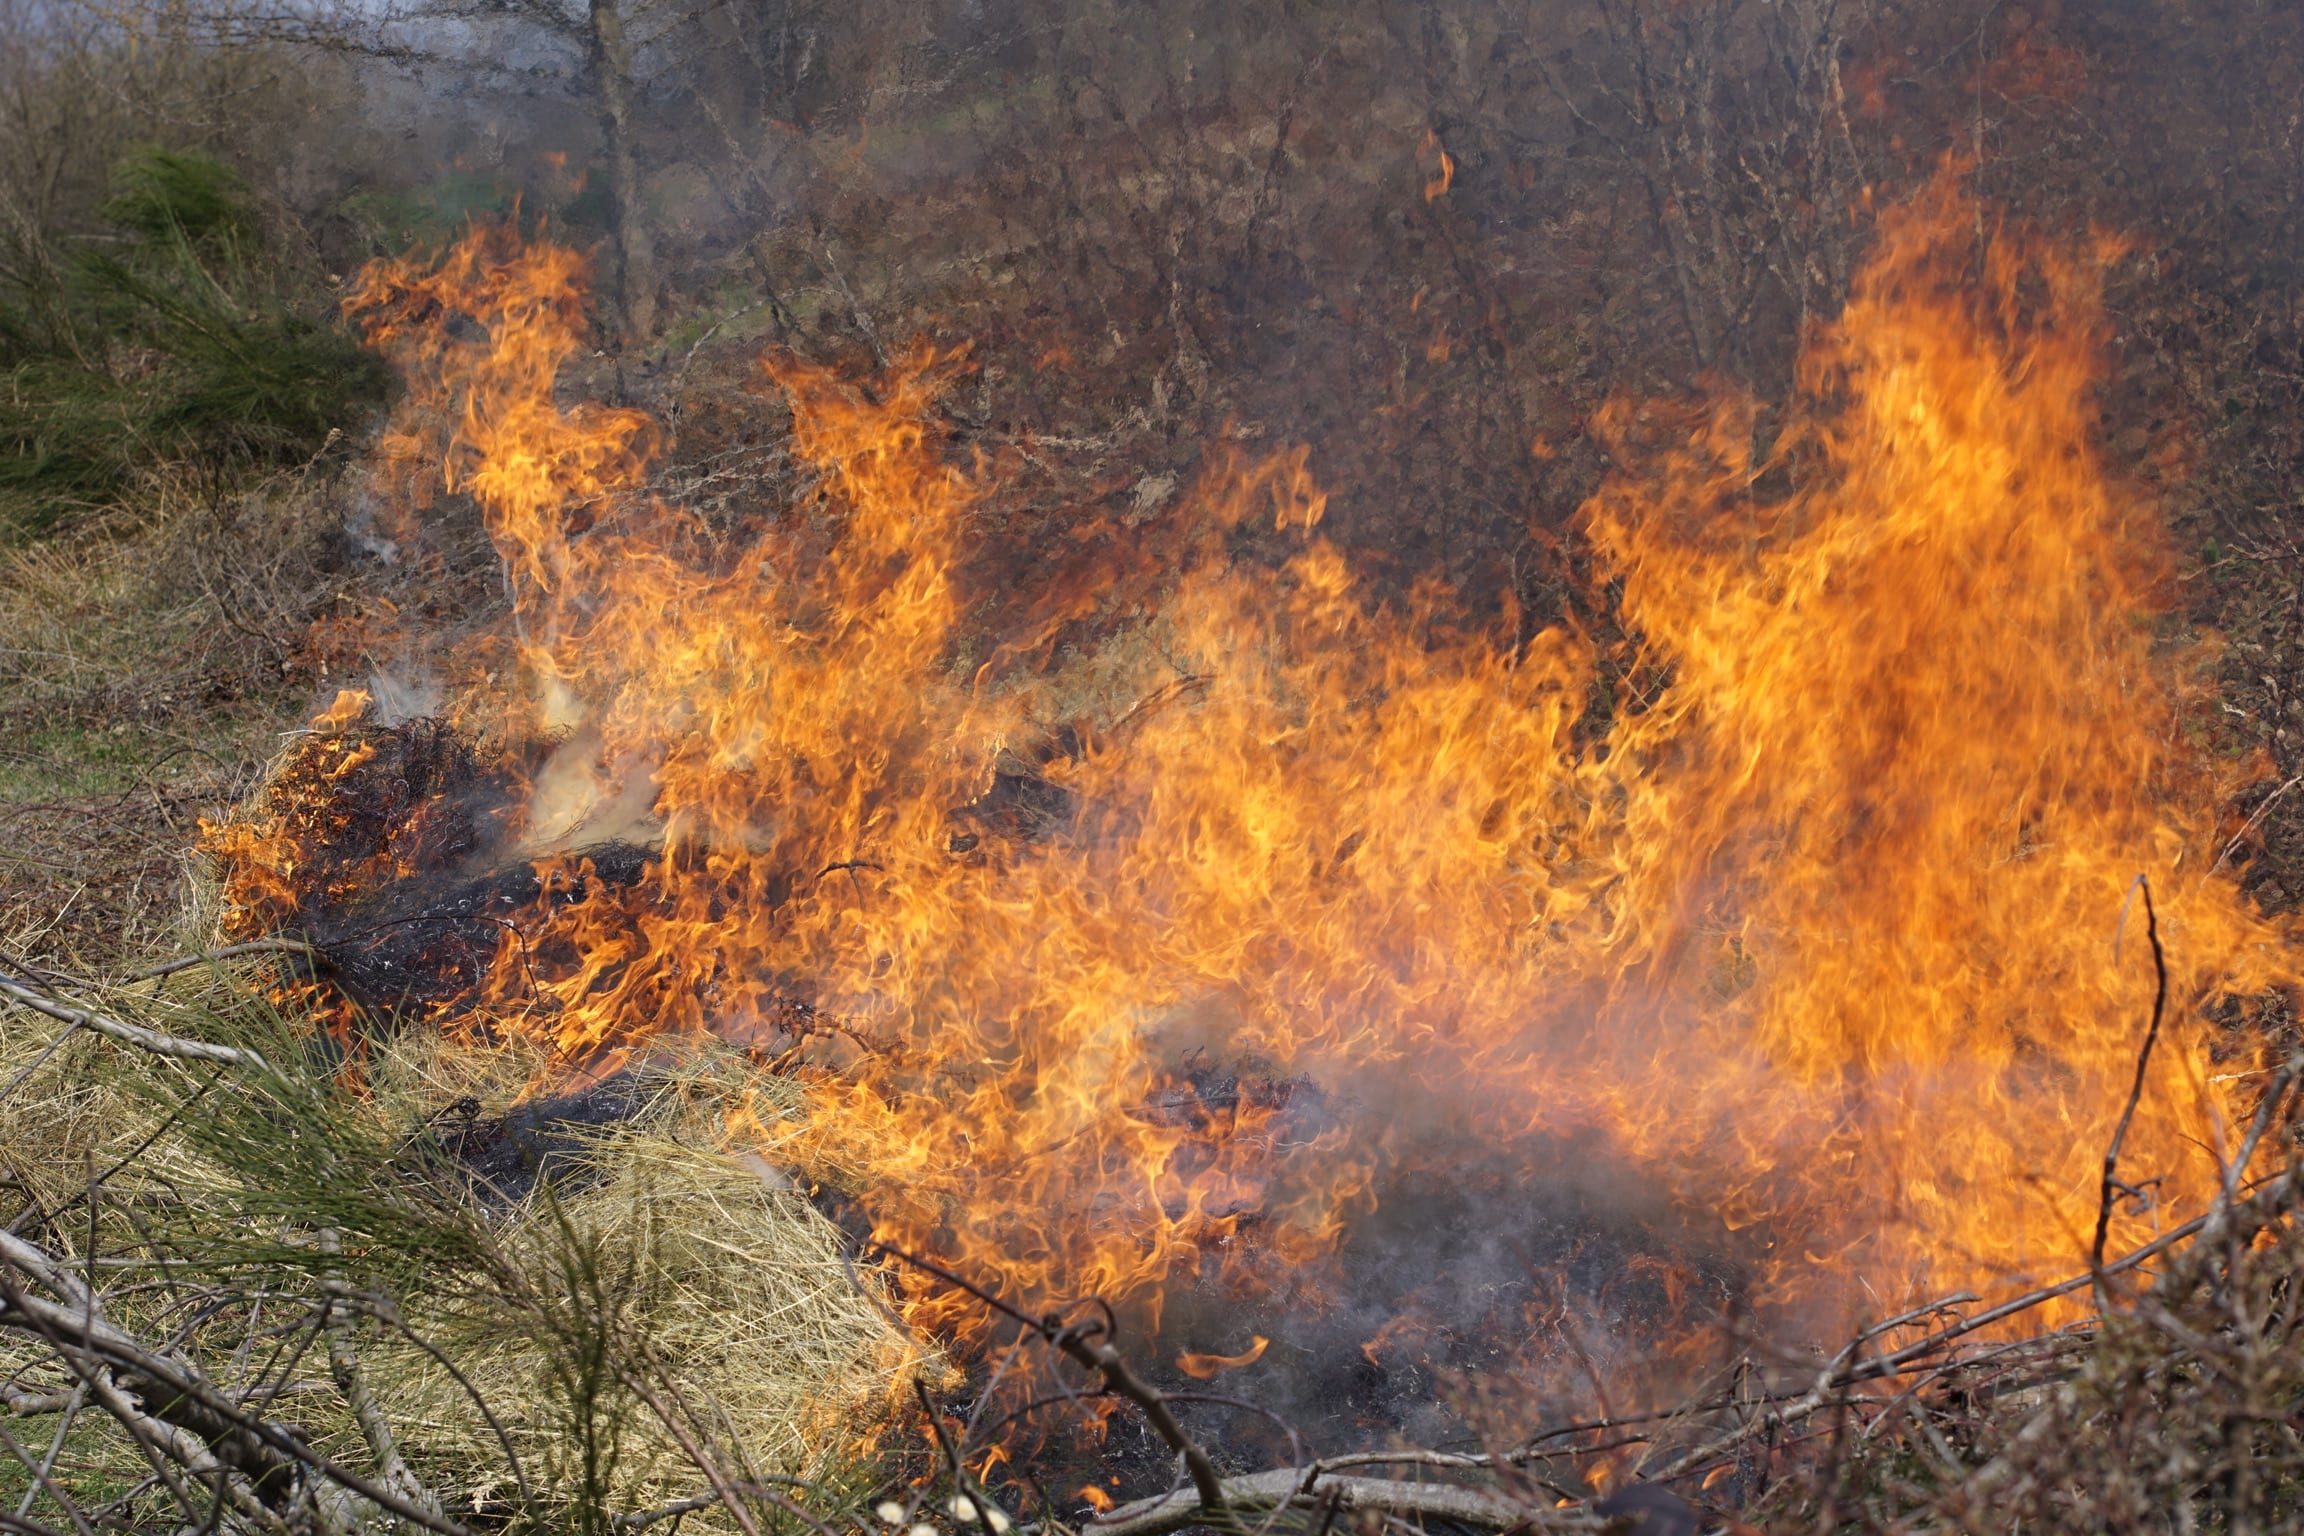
(1490,1289)
(1527,1269)
(508,1155)
(459,903)
(427,946)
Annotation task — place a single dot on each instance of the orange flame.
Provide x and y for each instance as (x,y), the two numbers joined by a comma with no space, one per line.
(1209,1367)
(1804,909)
(1438,186)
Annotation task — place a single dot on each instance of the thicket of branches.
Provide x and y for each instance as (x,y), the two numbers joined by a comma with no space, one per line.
(1426,238)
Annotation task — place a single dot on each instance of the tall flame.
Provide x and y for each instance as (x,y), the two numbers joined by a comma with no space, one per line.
(1807,909)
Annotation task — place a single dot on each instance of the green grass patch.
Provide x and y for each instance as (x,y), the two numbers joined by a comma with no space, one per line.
(173,337)
(67,762)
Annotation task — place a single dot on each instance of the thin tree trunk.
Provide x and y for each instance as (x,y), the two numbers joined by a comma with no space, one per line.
(635,246)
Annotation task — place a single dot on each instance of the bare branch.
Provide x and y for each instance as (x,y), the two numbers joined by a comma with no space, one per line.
(194,1420)
(130,1034)
(2135,1092)
(1309,1488)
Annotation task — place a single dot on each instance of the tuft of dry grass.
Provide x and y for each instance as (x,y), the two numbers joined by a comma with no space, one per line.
(736,1282)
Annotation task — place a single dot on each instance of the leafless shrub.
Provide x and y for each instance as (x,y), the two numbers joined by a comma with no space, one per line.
(1734,119)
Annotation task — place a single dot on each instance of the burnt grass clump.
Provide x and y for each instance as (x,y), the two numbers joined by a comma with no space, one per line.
(405,876)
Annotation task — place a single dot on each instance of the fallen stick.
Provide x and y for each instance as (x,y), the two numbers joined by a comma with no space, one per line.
(1264,1493)
(130,1034)
(296,947)
(392,1470)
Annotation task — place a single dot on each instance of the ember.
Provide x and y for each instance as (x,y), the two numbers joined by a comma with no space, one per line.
(1313,969)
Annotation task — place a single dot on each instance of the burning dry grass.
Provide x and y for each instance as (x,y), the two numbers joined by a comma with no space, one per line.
(622,1235)
(529,1279)
(1169,972)
(1801,905)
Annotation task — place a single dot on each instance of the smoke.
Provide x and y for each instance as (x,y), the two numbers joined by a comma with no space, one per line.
(577,800)
(403,692)
(361,530)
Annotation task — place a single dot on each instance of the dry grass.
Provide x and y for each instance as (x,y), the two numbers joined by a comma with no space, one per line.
(652,1244)
(733,1277)
(741,1290)
(146,666)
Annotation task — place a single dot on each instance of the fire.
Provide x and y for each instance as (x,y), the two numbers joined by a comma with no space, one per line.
(1208,1367)
(1438,186)
(1160,965)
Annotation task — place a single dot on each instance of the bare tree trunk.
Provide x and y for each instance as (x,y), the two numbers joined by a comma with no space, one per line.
(635,246)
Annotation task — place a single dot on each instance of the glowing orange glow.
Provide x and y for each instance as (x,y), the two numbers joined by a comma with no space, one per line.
(1803,910)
